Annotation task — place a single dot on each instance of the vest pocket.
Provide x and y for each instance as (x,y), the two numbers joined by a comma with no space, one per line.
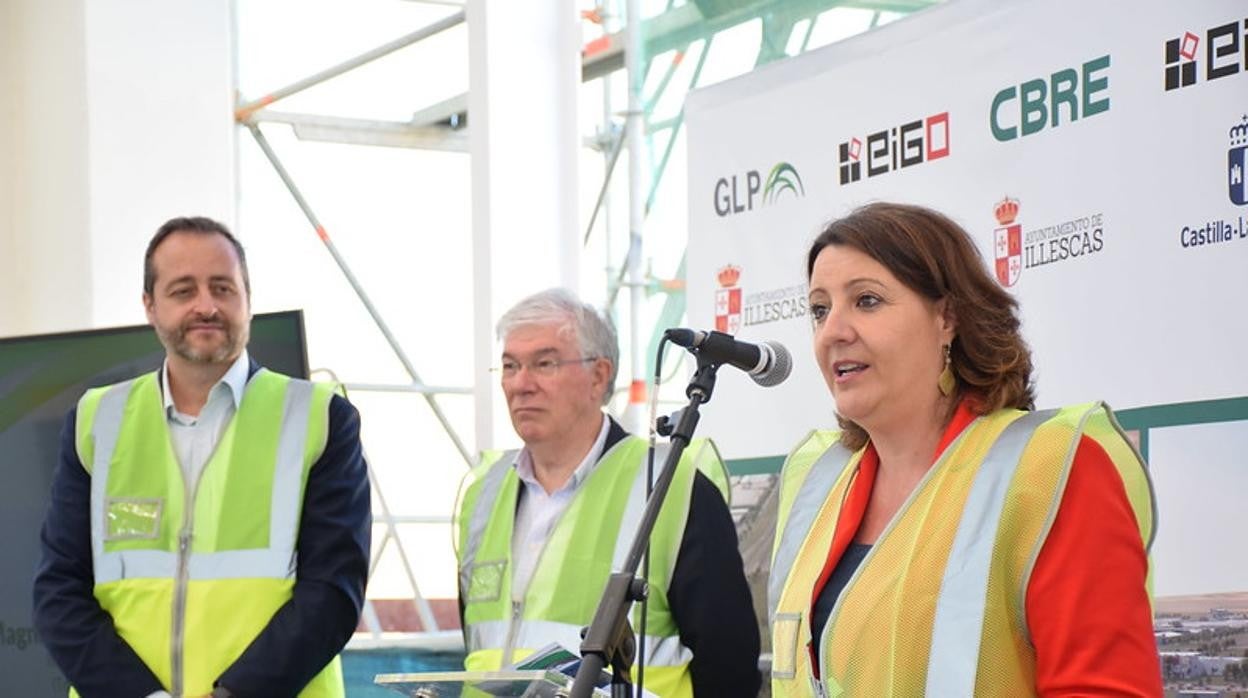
(784,634)
(485,584)
(132,518)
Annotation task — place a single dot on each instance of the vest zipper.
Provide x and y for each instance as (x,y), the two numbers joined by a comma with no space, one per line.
(179,608)
(509,649)
(182,580)
(517,607)
(825,636)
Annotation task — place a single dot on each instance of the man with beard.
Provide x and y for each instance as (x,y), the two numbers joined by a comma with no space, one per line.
(209,525)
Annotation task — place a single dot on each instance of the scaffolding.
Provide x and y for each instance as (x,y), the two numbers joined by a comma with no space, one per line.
(644,49)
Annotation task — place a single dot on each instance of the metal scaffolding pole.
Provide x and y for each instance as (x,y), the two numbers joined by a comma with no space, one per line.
(635,141)
(244,112)
(423,610)
(415,134)
(413,388)
(614,157)
(357,286)
(349,131)
(619,48)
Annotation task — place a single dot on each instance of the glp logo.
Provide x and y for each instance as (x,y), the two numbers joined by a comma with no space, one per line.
(730,198)
(1226,48)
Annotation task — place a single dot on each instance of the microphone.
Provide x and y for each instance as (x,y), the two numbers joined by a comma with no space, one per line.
(767,363)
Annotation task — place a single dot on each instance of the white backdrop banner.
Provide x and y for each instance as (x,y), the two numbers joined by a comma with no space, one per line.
(1094,150)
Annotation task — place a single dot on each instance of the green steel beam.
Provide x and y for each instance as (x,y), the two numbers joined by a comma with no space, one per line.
(681,26)
(675,30)
(1144,419)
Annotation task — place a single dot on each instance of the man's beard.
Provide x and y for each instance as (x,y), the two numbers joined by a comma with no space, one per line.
(227,351)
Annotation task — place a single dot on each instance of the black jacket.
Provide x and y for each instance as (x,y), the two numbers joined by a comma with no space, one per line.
(709,598)
(300,639)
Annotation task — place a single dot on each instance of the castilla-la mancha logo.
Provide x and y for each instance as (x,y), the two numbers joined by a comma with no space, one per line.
(1008,242)
(728,300)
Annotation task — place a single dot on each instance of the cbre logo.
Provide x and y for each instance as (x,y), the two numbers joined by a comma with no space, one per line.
(739,193)
(1079,93)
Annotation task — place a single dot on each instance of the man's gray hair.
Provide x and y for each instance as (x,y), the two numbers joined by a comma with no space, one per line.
(594,333)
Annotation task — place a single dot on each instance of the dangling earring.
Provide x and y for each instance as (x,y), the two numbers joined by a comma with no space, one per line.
(946,382)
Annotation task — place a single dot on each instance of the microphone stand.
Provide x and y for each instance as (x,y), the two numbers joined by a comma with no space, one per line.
(609,638)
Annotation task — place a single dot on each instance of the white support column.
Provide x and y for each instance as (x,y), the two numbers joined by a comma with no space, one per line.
(104,134)
(45,269)
(523,133)
(161,133)
(8,86)
(635,416)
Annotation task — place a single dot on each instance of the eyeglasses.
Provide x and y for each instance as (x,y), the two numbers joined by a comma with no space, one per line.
(541,367)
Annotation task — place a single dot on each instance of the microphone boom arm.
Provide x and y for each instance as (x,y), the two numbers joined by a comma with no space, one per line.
(609,636)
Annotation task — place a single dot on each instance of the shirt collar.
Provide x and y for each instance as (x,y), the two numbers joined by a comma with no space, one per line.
(524,462)
(234,380)
(962,417)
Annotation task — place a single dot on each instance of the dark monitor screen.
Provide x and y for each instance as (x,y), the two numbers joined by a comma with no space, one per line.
(41,378)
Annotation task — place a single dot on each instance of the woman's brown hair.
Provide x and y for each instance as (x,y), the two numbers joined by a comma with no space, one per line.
(937,259)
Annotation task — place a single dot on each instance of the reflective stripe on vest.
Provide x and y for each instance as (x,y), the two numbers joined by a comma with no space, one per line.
(490,487)
(938,605)
(814,489)
(958,626)
(236,526)
(276,561)
(638,495)
(496,625)
(492,483)
(634,508)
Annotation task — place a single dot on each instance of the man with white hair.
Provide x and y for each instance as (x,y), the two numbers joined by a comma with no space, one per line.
(542,528)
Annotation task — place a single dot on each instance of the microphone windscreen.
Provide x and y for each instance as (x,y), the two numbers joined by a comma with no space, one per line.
(781,366)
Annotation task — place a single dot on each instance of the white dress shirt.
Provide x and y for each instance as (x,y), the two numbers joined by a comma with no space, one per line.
(538,512)
(195,437)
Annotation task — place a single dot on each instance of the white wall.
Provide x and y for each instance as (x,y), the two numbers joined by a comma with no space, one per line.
(46,270)
(8,84)
(1199,477)
(161,129)
(117,117)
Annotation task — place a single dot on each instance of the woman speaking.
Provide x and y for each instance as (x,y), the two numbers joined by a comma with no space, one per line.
(949,540)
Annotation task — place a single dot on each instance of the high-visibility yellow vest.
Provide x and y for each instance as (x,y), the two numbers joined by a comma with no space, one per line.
(192,574)
(938,607)
(590,541)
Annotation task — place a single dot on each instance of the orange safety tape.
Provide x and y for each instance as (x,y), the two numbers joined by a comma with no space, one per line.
(637,392)
(598,45)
